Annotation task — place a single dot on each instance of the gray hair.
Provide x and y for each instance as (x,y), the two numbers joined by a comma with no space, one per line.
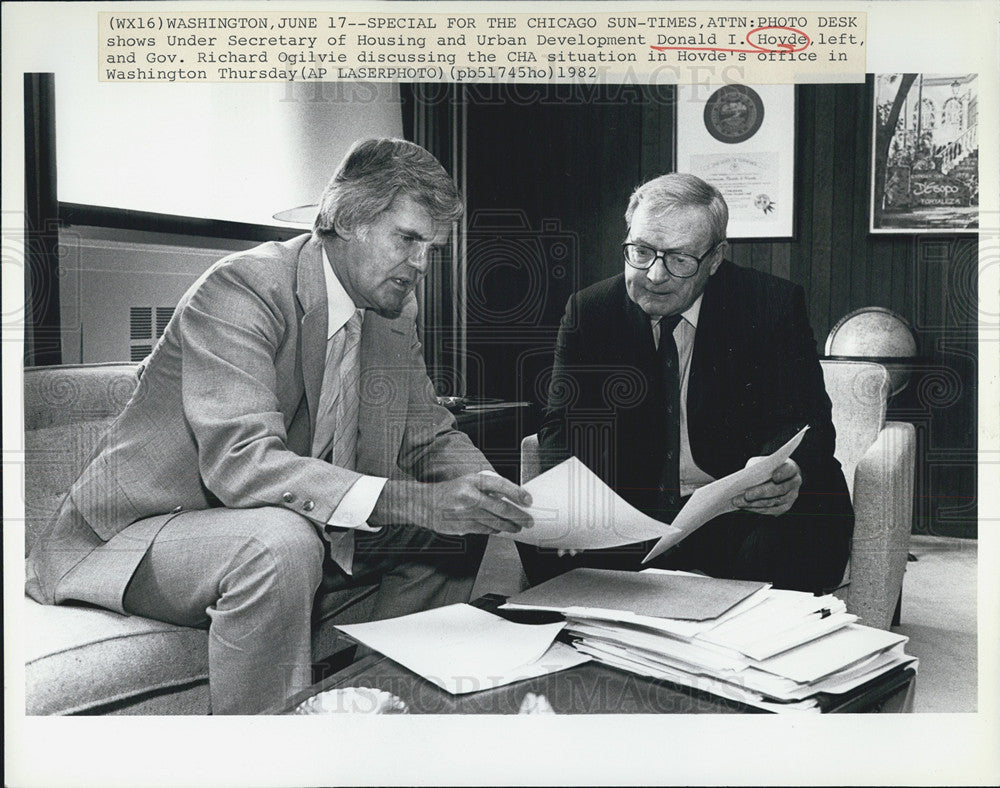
(373,173)
(681,190)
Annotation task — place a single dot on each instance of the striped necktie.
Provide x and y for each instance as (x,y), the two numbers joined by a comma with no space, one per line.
(336,435)
(345,435)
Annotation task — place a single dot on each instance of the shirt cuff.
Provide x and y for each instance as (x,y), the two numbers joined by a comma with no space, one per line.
(357,504)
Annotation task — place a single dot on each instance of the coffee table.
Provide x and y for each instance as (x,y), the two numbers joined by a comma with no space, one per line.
(591,688)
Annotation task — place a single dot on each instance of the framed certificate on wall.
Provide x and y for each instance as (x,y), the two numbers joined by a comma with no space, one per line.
(741,139)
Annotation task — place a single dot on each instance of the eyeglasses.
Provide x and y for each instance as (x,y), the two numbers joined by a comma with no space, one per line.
(681,265)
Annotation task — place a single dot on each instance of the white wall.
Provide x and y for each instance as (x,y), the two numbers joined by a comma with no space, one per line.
(230,152)
(222,151)
(105,272)
(219,151)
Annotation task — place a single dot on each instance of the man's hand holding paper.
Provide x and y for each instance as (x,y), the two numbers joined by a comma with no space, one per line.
(774,496)
(574,510)
(723,495)
(474,503)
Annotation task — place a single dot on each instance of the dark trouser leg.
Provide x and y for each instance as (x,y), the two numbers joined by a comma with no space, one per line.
(417,569)
(805,549)
(801,551)
(541,564)
(250,577)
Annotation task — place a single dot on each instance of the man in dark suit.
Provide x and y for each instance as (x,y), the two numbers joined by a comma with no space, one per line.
(284,437)
(682,370)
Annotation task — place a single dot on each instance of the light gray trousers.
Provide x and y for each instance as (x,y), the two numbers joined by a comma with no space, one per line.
(251,577)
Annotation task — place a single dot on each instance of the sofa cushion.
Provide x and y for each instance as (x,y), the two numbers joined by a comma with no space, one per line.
(76,392)
(79,658)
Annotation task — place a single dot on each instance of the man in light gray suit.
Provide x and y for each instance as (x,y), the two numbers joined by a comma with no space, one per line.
(284,438)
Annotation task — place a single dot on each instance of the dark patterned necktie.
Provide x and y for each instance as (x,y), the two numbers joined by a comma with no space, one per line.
(669,498)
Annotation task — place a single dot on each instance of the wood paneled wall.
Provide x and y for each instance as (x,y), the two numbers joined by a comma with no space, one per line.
(929,279)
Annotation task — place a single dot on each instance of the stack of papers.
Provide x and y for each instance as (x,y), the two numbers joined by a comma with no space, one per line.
(771,649)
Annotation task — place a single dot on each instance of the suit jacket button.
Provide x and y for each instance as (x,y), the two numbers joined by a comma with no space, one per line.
(176,509)
(308,506)
(287,497)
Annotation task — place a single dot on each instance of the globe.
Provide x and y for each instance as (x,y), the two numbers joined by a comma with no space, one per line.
(879,334)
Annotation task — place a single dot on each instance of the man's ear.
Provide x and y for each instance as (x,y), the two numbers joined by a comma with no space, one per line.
(342,230)
(719,255)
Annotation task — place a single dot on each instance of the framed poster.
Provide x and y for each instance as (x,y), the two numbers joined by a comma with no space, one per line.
(741,139)
(925,153)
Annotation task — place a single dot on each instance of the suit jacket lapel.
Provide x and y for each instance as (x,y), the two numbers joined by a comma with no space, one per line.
(708,358)
(638,338)
(311,292)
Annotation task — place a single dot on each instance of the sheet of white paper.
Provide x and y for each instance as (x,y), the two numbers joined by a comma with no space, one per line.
(716,498)
(753,681)
(882,663)
(464,649)
(573,509)
(784,620)
(558,657)
(805,632)
(671,626)
(834,652)
(836,683)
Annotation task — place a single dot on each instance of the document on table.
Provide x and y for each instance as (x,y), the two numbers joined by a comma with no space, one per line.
(658,594)
(628,659)
(573,509)
(784,620)
(463,649)
(679,628)
(716,498)
(838,650)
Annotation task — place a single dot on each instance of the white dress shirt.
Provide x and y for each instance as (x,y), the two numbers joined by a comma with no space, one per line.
(691,476)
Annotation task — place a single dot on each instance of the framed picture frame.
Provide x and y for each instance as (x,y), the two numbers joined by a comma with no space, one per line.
(925,154)
(741,139)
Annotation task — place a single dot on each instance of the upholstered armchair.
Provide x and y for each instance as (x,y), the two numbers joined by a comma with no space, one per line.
(84,660)
(878,461)
(878,458)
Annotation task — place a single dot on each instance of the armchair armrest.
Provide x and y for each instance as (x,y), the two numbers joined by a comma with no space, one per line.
(883,512)
(531,463)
